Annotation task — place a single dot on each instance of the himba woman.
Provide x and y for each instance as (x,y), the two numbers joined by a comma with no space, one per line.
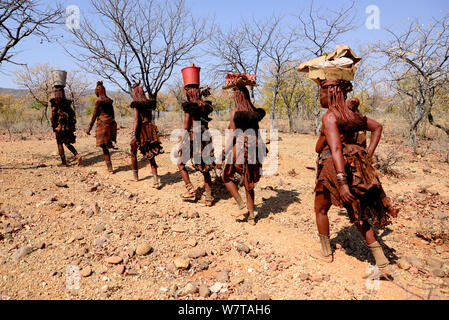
(245,151)
(106,132)
(145,135)
(196,143)
(63,118)
(345,175)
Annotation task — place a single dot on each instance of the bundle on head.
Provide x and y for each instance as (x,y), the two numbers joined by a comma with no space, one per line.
(336,93)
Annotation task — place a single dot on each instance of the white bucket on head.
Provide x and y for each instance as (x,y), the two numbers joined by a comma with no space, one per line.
(59,78)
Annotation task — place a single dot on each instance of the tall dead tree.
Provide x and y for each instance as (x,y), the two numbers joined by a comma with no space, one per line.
(418,65)
(243,48)
(320,30)
(279,51)
(20,19)
(139,40)
(38,82)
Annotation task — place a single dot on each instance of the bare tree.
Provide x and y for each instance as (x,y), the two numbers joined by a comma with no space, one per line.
(140,40)
(177,92)
(242,49)
(20,19)
(279,50)
(321,29)
(38,81)
(294,91)
(418,65)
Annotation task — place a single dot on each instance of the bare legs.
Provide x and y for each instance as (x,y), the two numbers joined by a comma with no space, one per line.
(228,174)
(71,149)
(189,194)
(322,206)
(107,158)
(135,165)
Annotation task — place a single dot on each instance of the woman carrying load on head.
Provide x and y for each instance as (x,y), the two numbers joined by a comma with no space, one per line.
(245,150)
(63,118)
(196,143)
(106,132)
(145,133)
(345,175)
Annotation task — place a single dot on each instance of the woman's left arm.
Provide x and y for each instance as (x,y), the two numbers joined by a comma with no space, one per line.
(376,132)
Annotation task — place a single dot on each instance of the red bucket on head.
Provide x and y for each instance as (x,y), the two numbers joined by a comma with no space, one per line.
(191,75)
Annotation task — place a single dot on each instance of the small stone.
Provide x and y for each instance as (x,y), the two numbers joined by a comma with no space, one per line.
(86,272)
(95,208)
(190,288)
(29,193)
(193,215)
(192,242)
(222,276)
(216,287)
(263,297)
(303,276)
(242,247)
(196,253)
(91,189)
(120,269)
(105,288)
(438,273)
(403,264)
(181,263)
(413,270)
(440,215)
(179,228)
(61,184)
(204,291)
(114,260)
(434,263)
(22,252)
(143,249)
(415,261)
(236,281)
(99,241)
(100,228)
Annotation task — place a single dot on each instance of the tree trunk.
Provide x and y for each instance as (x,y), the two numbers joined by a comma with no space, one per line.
(317,113)
(290,120)
(273,107)
(417,118)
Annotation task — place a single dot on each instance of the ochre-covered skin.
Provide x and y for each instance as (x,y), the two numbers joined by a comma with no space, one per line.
(244,121)
(342,152)
(146,137)
(196,109)
(63,121)
(145,133)
(106,131)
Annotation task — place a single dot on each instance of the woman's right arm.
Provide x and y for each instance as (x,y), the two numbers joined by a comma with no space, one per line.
(321,143)
(94,117)
(333,139)
(136,121)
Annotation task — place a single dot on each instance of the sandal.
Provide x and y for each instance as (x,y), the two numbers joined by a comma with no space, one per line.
(80,160)
(189,194)
(156,183)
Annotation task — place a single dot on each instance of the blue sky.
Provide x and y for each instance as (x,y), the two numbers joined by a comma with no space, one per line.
(394,14)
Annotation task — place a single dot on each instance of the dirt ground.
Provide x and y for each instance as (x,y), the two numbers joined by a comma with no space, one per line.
(81,233)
